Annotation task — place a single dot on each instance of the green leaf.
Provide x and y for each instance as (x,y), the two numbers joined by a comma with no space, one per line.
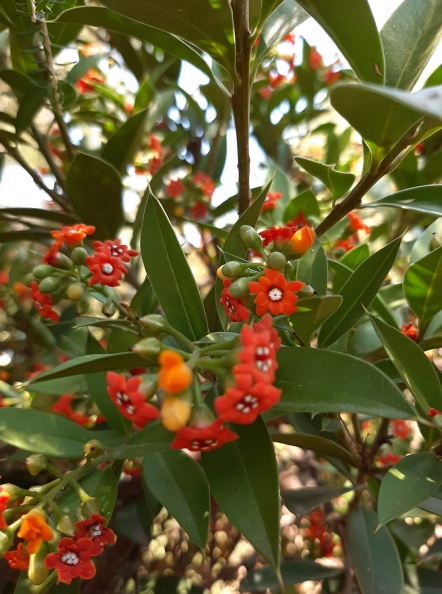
(102,484)
(304,500)
(122,146)
(91,364)
(423,246)
(374,555)
(179,483)
(95,189)
(412,365)
(169,273)
(409,38)
(312,268)
(206,25)
(292,572)
(338,182)
(410,482)
(358,292)
(39,213)
(351,25)
(316,443)
(423,285)
(151,439)
(384,115)
(304,323)
(305,202)
(29,106)
(244,480)
(424,199)
(354,257)
(344,383)
(42,433)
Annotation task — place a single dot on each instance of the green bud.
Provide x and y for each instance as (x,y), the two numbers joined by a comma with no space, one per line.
(35,464)
(250,238)
(79,255)
(276,261)
(38,572)
(92,448)
(76,291)
(5,542)
(154,322)
(28,279)
(59,260)
(233,269)
(44,270)
(65,525)
(108,309)
(49,284)
(83,305)
(239,288)
(90,506)
(148,347)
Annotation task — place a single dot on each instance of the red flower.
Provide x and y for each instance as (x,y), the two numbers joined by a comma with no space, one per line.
(155,145)
(72,560)
(331,76)
(265,92)
(43,303)
(409,330)
(389,459)
(205,183)
(95,529)
(106,269)
(433,412)
(91,77)
(73,235)
(203,439)
(64,407)
(279,235)
(348,244)
(274,293)
(400,429)
(4,277)
(4,498)
(199,210)
(18,559)
(356,223)
(298,221)
(243,403)
(115,248)
(154,164)
(315,58)
(174,188)
(258,356)
(234,307)
(128,398)
(271,201)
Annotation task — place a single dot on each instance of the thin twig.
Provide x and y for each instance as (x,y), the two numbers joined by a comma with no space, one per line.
(44,149)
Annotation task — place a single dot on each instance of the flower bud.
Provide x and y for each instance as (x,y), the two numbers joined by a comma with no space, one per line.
(28,279)
(49,284)
(90,506)
(301,242)
(5,542)
(250,238)
(65,525)
(175,412)
(83,305)
(44,270)
(13,491)
(76,291)
(148,347)
(108,309)
(92,448)
(155,323)
(233,269)
(79,255)
(239,288)
(59,260)
(35,464)
(276,261)
(38,572)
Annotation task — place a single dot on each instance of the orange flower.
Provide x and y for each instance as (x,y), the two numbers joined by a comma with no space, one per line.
(35,530)
(302,241)
(174,375)
(4,497)
(275,294)
(73,235)
(18,559)
(410,330)
(356,223)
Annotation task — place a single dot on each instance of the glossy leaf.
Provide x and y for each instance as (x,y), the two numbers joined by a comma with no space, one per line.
(373,554)
(305,202)
(409,38)
(338,182)
(169,273)
(312,268)
(122,146)
(408,483)
(384,115)
(179,483)
(304,323)
(206,25)
(358,292)
(42,433)
(424,199)
(95,191)
(305,499)
(423,286)
(244,480)
(292,572)
(40,213)
(412,365)
(29,107)
(423,246)
(351,25)
(344,383)
(153,438)
(354,257)
(102,484)
(316,443)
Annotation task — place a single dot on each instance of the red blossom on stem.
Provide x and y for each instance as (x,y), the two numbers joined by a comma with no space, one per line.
(274,293)
(203,439)
(43,303)
(115,248)
(106,269)
(174,188)
(64,407)
(410,330)
(95,529)
(271,201)
(72,560)
(400,429)
(19,558)
(130,401)
(234,307)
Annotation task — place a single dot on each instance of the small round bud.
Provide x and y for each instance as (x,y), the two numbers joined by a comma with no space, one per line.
(250,238)
(155,323)
(92,448)
(108,309)
(59,260)
(49,284)
(175,412)
(148,347)
(65,525)
(79,255)
(276,261)
(90,506)
(43,271)
(239,288)
(232,269)
(28,279)
(35,464)
(301,242)
(76,291)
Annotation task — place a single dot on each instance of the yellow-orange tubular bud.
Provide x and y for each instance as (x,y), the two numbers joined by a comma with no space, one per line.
(301,242)
(175,412)
(174,375)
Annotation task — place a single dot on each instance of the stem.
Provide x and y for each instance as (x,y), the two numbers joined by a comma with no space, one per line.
(42,145)
(241,99)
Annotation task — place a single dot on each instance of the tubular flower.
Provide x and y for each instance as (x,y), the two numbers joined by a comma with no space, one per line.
(175,412)
(275,294)
(356,223)
(4,498)
(73,235)
(115,248)
(95,529)
(301,241)
(18,559)
(174,375)
(271,201)
(35,530)
(43,303)
(72,560)
(128,398)
(203,439)
(246,400)
(234,307)
(106,269)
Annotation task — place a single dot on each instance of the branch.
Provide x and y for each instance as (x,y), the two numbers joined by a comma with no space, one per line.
(42,145)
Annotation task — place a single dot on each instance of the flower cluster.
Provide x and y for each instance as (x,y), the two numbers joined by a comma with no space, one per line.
(318,534)
(191,194)
(150,158)
(350,237)
(126,394)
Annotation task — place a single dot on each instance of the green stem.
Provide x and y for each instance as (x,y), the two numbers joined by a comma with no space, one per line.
(229,344)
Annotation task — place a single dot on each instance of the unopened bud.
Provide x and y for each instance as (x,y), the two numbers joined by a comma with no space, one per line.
(49,284)
(108,309)
(92,448)
(43,271)
(35,464)
(148,347)
(301,242)
(155,323)
(28,279)
(79,255)
(83,305)
(276,261)
(59,260)
(76,291)
(90,506)
(175,412)
(233,269)
(239,288)
(250,238)
(5,542)
(38,572)
(65,525)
